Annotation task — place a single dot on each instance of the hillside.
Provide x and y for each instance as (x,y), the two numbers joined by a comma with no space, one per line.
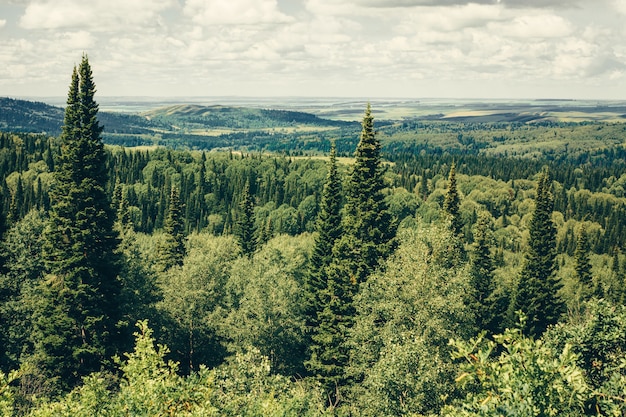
(212,117)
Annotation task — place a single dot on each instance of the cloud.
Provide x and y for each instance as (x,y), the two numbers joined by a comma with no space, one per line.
(2,23)
(449,19)
(234,12)
(534,26)
(620,6)
(387,4)
(97,15)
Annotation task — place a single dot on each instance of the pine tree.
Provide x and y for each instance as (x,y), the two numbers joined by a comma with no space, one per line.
(582,265)
(537,296)
(244,230)
(328,228)
(488,306)
(367,238)
(172,251)
(75,325)
(452,202)
(368,228)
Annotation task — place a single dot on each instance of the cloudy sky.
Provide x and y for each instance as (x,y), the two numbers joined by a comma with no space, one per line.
(349,48)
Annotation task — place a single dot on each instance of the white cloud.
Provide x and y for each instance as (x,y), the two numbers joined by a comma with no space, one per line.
(98,15)
(534,26)
(449,19)
(620,6)
(2,23)
(234,12)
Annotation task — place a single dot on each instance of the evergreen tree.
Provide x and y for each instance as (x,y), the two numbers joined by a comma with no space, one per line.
(328,228)
(537,289)
(368,229)
(582,265)
(172,250)
(368,237)
(244,230)
(76,322)
(452,202)
(488,306)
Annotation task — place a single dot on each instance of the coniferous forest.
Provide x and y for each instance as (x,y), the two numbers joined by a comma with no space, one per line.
(390,276)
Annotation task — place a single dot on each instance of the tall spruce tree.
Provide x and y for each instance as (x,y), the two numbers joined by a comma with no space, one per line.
(452,202)
(172,250)
(367,238)
(582,265)
(489,307)
(537,291)
(76,322)
(244,230)
(328,228)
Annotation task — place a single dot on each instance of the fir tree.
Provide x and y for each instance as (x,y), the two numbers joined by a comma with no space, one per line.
(367,238)
(172,251)
(582,265)
(328,228)
(452,202)
(456,253)
(75,325)
(537,291)
(488,306)
(244,230)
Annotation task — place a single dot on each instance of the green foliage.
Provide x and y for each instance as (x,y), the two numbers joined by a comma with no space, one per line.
(194,301)
(405,316)
(537,296)
(582,265)
(484,298)
(529,378)
(452,202)
(245,222)
(367,240)
(328,228)
(266,303)
(172,249)
(599,342)
(75,321)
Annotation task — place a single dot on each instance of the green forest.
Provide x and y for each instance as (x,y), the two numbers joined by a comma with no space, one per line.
(408,267)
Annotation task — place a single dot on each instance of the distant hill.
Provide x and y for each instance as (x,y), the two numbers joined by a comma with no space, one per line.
(29,116)
(225,117)
(36,117)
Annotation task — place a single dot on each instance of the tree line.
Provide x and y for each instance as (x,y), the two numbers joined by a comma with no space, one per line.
(320,288)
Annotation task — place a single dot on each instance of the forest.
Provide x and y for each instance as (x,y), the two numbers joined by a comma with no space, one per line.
(389,268)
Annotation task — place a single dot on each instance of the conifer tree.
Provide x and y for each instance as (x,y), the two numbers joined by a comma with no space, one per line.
(244,230)
(76,323)
(582,265)
(452,203)
(537,296)
(367,238)
(172,251)
(328,228)
(489,307)
(368,228)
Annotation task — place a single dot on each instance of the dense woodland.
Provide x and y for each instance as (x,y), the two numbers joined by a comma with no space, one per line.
(450,269)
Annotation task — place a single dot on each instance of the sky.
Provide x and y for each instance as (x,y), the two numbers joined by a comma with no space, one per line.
(566,49)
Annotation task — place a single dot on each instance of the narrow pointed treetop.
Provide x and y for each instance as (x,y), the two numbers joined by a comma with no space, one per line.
(452,202)
(537,293)
(76,330)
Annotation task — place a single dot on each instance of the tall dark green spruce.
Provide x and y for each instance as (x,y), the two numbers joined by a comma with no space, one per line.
(172,250)
(328,228)
(452,202)
(582,264)
(489,307)
(537,291)
(244,230)
(76,321)
(367,238)
(456,253)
